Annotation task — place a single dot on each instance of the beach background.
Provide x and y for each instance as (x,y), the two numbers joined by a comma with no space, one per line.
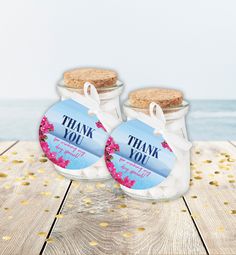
(207,119)
(185,45)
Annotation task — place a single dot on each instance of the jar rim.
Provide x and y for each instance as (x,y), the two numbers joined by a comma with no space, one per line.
(117,85)
(184,105)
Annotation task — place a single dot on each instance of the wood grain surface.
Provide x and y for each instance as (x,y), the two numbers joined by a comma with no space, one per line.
(41,212)
(30,195)
(212,197)
(100,219)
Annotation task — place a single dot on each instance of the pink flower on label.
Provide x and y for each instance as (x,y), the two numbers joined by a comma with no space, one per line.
(45,147)
(166,146)
(46,127)
(111,148)
(100,125)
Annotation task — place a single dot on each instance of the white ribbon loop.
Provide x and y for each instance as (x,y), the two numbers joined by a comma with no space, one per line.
(93,103)
(93,97)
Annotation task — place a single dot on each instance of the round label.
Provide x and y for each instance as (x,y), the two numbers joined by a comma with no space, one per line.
(71,137)
(136,157)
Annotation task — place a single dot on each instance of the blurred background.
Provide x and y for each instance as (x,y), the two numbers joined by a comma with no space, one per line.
(188,45)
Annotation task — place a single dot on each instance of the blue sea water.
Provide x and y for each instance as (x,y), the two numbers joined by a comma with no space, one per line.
(212,120)
(207,119)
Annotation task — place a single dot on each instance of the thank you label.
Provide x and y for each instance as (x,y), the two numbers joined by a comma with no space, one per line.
(71,137)
(136,157)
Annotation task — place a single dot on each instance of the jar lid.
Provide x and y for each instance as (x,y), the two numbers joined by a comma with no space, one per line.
(98,77)
(166,98)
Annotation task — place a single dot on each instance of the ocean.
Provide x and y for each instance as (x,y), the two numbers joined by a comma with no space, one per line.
(207,119)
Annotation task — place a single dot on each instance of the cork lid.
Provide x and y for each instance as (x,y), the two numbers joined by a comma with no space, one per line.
(98,77)
(166,98)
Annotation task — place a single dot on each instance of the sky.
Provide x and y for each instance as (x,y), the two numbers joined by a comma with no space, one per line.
(184,44)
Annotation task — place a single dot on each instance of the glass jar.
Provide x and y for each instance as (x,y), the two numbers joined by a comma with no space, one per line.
(177,183)
(109,103)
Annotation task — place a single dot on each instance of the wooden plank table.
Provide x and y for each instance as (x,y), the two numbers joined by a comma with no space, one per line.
(41,212)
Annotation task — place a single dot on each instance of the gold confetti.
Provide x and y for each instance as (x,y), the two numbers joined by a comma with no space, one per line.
(17,161)
(41,170)
(18,179)
(154,203)
(24,202)
(231,181)
(222,161)
(207,161)
(183,210)
(57,197)
(59,216)
(193,196)
(140,229)
(2,175)
(197,152)
(25,183)
(214,183)
(217,172)
(6,238)
(6,209)
(127,234)
(231,160)
(93,243)
(49,240)
(43,160)
(42,234)
(224,167)
(89,189)
(4,158)
(198,172)
(60,177)
(226,203)
(46,210)
(233,211)
(76,184)
(116,186)
(230,176)
(14,153)
(210,175)
(87,200)
(220,229)
(194,215)
(122,206)
(7,186)
(198,177)
(223,153)
(45,193)
(121,196)
(100,185)
(103,224)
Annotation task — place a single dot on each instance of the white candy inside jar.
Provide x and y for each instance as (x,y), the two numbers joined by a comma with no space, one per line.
(177,183)
(109,103)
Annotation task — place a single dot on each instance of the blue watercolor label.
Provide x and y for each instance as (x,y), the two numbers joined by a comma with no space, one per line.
(71,137)
(136,157)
